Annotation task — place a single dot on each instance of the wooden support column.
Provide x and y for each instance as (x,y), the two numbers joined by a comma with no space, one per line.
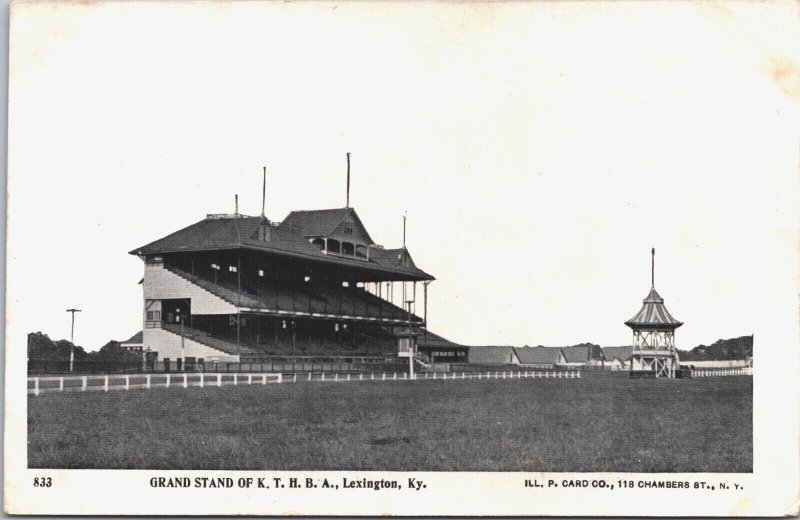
(239,298)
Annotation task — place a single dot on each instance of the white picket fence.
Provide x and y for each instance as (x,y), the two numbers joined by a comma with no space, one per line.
(40,385)
(715,372)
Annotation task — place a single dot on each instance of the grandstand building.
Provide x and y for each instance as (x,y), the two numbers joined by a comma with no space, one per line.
(242,288)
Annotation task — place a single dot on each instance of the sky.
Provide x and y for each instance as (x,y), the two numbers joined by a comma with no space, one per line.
(540,151)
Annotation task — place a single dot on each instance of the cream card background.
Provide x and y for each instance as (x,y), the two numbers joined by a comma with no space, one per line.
(588,130)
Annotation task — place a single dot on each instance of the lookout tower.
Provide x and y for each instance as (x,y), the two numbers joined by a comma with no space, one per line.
(654,353)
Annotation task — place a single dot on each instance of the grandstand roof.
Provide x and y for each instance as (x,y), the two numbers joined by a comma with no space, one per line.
(239,231)
(539,355)
(320,222)
(653,314)
(621,353)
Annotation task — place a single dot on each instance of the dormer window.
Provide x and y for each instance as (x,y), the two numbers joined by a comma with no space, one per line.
(320,243)
(348,249)
(334,246)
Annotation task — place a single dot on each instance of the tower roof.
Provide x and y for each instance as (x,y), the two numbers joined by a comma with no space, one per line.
(653,314)
(321,222)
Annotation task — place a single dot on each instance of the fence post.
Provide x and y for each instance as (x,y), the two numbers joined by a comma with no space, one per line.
(148,381)
(394,376)
(61,384)
(309,374)
(83,386)
(167,380)
(185,381)
(201,379)
(35,386)
(294,379)
(219,379)
(263,379)
(235,380)
(579,374)
(360,377)
(383,376)
(105,384)
(335,377)
(249,379)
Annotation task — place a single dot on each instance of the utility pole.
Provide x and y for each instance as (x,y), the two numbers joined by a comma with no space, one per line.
(72,340)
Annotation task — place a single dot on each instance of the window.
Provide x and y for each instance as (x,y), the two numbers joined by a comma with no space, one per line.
(348,249)
(345,284)
(334,246)
(348,230)
(153,315)
(232,268)
(307,278)
(319,242)
(361,251)
(215,267)
(261,273)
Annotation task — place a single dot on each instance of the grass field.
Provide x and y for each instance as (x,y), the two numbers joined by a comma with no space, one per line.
(601,422)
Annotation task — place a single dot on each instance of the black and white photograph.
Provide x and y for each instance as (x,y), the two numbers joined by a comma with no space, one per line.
(385,258)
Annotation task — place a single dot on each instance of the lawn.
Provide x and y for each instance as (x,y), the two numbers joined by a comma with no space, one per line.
(601,422)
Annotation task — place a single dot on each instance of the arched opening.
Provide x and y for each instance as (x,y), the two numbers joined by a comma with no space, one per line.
(320,243)
(334,246)
(348,249)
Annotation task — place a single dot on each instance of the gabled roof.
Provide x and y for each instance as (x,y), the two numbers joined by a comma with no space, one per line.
(136,339)
(621,353)
(653,314)
(576,353)
(491,355)
(320,222)
(233,232)
(539,355)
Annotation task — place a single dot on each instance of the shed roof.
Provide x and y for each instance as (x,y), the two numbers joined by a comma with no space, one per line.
(491,355)
(539,355)
(576,353)
(431,340)
(653,314)
(622,353)
(136,339)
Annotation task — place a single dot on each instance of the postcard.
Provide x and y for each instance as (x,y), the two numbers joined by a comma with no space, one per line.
(403,258)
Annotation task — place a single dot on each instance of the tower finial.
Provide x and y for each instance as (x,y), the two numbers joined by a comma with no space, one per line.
(264,192)
(348,180)
(405,216)
(653,268)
